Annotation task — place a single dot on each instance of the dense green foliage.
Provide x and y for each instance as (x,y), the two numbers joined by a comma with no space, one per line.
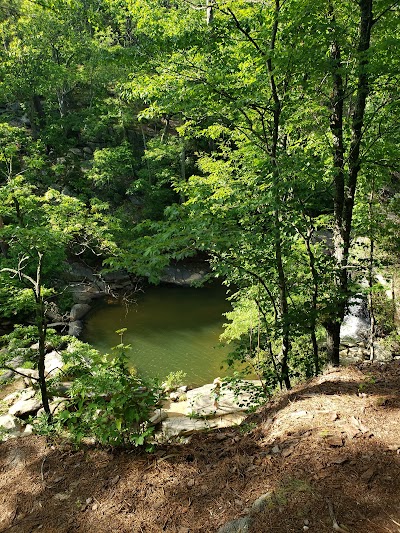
(263,135)
(107,402)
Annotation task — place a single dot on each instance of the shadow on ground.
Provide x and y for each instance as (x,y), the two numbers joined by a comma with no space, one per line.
(334,439)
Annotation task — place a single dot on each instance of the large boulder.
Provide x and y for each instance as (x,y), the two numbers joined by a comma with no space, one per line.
(78,311)
(12,363)
(183,275)
(30,375)
(25,407)
(382,351)
(86,292)
(216,400)
(75,328)
(10,427)
(52,363)
(10,423)
(78,272)
(184,426)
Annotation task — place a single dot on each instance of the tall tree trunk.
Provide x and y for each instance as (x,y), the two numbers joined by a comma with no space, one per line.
(345,179)
(283,294)
(333,341)
(41,329)
(183,171)
(3,244)
(37,115)
(332,324)
(314,301)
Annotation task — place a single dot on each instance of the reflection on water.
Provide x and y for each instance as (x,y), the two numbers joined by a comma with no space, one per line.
(170,329)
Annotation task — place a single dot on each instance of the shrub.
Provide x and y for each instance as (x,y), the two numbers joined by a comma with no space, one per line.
(107,402)
(174,380)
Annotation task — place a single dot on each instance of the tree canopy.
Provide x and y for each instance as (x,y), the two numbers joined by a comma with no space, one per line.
(262,134)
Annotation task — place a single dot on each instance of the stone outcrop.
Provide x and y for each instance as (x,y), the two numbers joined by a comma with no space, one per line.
(10,423)
(184,275)
(52,363)
(78,311)
(209,407)
(184,426)
(75,328)
(25,407)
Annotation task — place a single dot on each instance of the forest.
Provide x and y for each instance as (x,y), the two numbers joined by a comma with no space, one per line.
(261,136)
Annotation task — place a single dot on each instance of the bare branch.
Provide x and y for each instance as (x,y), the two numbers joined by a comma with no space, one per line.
(377,19)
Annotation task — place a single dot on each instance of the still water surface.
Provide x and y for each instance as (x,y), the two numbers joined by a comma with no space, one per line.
(169,328)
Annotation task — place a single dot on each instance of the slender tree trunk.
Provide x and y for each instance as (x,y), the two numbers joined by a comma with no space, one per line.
(314,301)
(183,171)
(335,319)
(283,295)
(41,323)
(3,244)
(37,115)
(41,329)
(371,278)
(345,179)
(333,341)
(371,303)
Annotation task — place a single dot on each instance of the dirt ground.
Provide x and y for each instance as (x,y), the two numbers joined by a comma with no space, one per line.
(326,452)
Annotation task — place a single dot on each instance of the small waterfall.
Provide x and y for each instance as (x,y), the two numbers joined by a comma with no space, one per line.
(356,323)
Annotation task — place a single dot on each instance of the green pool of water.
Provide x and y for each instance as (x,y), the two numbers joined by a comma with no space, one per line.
(169,328)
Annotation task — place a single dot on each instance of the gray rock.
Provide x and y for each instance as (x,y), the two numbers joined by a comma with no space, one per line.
(211,400)
(5,376)
(382,352)
(75,328)
(77,272)
(30,375)
(25,394)
(53,313)
(117,277)
(85,292)
(11,398)
(15,362)
(57,405)
(180,425)
(63,388)
(76,151)
(158,416)
(183,426)
(28,430)
(10,423)
(183,275)
(52,363)
(174,396)
(78,311)
(241,525)
(25,407)
(261,502)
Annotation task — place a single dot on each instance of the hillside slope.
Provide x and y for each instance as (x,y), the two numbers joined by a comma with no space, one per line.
(325,452)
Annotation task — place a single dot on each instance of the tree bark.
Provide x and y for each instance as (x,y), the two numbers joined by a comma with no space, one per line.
(333,342)
(3,244)
(283,296)
(345,179)
(41,328)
